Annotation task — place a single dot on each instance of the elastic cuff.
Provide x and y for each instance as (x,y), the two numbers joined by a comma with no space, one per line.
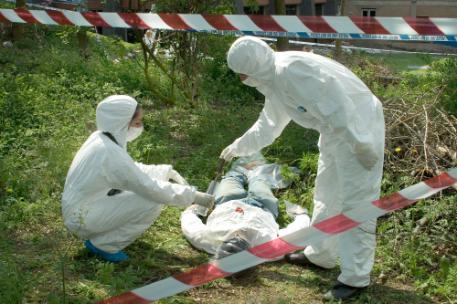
(354,281)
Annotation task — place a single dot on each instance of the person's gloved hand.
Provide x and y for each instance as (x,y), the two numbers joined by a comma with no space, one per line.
(175,176)
(204,199)
(228,153)
(365,155)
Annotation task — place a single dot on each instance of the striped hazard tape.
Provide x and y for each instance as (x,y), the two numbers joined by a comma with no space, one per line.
(325,27)
(286,244)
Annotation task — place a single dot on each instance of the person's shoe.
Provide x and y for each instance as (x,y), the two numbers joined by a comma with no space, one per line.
(116,257)
(342,292)
(301,259)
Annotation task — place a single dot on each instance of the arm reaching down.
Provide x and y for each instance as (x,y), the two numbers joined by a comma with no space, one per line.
(122,173)
(270,124)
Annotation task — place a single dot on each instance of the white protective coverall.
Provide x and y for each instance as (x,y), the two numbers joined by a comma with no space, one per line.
(113,222)
(228,219)
(319,93)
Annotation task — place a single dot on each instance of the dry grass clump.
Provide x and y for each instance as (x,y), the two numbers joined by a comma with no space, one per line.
(421,139)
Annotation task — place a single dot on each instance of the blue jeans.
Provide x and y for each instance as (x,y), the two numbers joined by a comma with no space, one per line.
(258,194)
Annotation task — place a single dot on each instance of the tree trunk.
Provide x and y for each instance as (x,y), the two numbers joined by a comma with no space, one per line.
(282,43)
(18,28)
(83,42)
(169,101)
(239,7)
(413,8)
(338,48)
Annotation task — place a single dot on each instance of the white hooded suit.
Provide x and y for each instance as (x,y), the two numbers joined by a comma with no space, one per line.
(113,222)
(319,93)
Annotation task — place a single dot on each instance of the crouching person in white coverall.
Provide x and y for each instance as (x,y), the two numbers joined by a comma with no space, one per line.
(241,218)
(319,93)
(109,199)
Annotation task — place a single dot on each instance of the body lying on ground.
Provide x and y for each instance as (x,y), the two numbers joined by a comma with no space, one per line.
(242,218)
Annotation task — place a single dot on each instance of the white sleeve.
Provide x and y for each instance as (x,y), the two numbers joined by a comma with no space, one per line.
(270,124)
(301,221)
(161,172)
(122,173)
(195,231)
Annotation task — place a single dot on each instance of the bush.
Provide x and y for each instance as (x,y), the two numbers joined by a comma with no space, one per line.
(445,76)
(219,83)
(47,105)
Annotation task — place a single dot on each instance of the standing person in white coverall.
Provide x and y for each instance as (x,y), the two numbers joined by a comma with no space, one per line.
(319,93)
(109,199)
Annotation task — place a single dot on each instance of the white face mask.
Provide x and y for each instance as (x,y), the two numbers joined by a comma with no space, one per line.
(251,82)
(133,133)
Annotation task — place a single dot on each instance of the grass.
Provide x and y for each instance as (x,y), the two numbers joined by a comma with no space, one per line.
(404,62)
(47,111)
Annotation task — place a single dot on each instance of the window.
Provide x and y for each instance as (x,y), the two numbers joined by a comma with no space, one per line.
(254,10)
(368,12)
(319,9)
(291,9)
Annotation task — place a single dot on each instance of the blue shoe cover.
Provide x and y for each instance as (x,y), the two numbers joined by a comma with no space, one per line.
(111,257)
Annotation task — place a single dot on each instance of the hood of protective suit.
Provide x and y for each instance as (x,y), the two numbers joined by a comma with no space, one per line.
(253,57)
(114,115)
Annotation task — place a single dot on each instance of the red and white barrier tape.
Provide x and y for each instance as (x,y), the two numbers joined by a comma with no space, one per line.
(343,27)
(286,244)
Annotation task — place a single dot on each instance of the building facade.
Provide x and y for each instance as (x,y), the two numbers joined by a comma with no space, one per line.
(293,7)
(401,8)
